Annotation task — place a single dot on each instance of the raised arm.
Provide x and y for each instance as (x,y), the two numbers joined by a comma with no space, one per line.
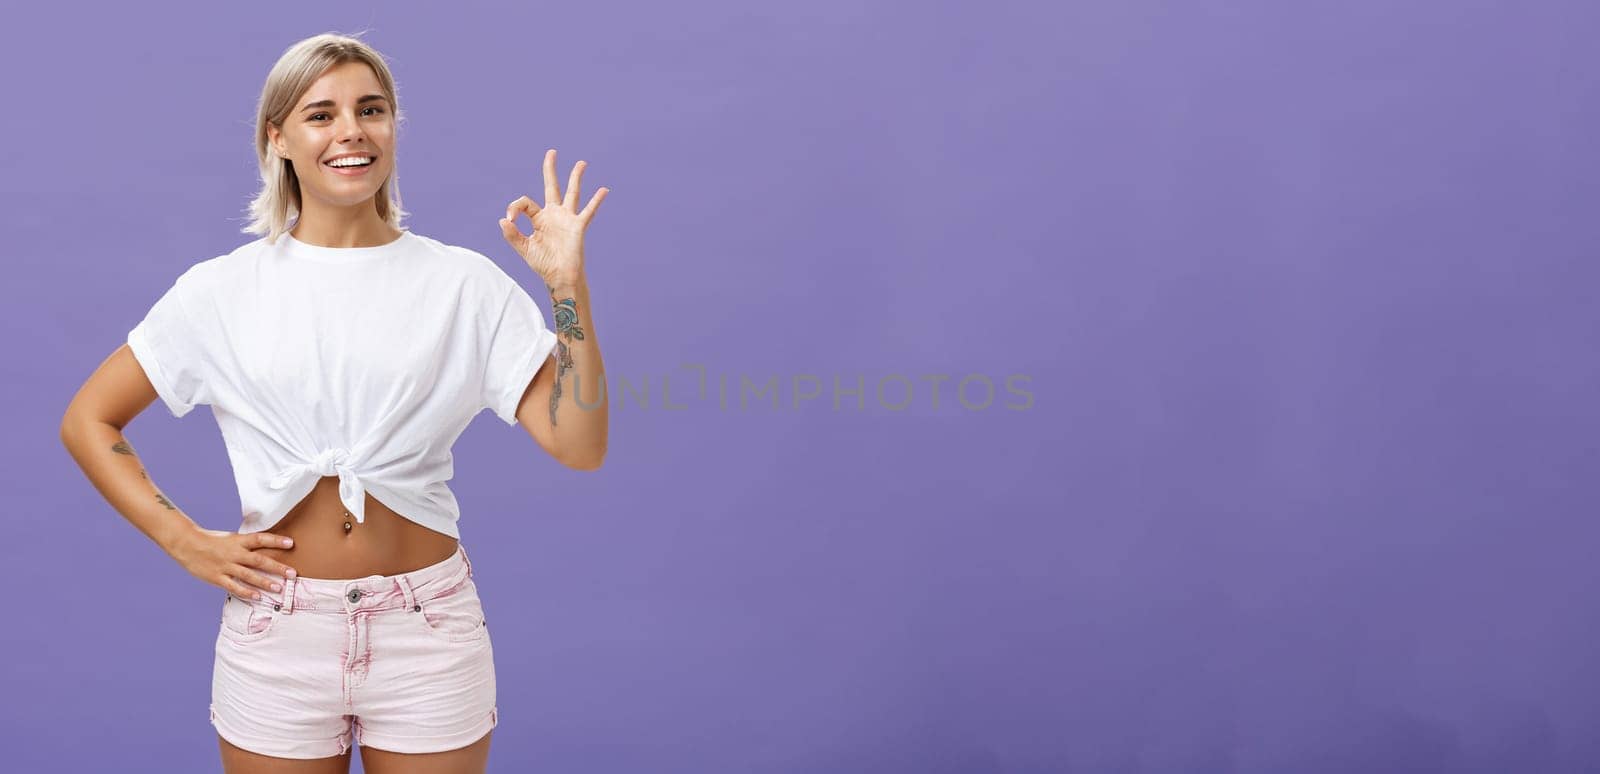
(570,422)
(565,409)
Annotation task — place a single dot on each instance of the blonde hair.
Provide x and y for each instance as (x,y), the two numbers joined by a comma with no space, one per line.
(300,66)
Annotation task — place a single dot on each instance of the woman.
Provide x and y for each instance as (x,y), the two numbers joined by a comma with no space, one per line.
(342,356)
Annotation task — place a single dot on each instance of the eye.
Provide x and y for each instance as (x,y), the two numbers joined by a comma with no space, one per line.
(318,116)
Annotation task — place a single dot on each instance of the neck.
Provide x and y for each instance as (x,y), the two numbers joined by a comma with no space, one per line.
(357,226)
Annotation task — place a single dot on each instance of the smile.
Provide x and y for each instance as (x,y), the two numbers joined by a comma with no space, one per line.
(353,169)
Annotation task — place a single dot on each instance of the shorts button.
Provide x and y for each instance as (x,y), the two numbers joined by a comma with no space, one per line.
(354,595)
(277,606)
(416,608)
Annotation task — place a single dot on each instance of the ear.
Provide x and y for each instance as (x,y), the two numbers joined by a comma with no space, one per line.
(273,135)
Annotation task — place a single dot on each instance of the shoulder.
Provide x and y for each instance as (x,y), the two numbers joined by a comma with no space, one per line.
(241,259)
(216,274)
(203,277)
(476,270)
(219,276)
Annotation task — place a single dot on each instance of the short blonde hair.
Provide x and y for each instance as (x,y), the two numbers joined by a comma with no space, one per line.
(300,66)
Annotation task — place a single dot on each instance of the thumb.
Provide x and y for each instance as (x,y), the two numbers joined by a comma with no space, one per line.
(510,231)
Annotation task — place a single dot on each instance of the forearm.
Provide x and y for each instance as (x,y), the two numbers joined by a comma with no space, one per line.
(579,405)
(109,461)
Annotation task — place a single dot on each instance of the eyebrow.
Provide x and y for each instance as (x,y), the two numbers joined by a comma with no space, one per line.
(327,103)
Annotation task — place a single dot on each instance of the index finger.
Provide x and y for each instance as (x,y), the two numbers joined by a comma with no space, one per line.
(552,194)
(522,204)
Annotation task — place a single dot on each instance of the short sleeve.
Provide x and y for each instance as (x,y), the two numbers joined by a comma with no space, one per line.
(170,348)
(519,343)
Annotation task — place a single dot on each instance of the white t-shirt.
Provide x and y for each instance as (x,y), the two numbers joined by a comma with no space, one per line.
(364,363)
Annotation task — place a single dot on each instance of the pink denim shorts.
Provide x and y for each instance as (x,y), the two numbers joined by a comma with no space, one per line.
(396,662)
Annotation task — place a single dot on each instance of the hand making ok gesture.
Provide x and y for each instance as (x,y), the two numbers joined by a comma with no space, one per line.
(555,248)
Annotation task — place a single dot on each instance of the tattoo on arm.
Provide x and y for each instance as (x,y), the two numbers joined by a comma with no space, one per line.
(566,314)
(123,447)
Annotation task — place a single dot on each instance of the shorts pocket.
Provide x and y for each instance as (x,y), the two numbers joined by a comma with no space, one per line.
(244,621)
(455,617)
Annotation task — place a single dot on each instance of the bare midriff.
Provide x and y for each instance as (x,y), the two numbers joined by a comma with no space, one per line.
(330,543)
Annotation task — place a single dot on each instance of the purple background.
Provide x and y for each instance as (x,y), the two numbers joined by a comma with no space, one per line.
(1305,292)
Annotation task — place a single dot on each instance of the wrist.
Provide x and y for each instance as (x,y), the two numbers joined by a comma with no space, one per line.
(177,535)
(564,284)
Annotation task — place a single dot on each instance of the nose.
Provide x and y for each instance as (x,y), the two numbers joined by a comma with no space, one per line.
(349,129)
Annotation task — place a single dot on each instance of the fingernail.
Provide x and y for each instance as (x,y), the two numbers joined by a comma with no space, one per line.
(290,573)
(288,542)
(276,587)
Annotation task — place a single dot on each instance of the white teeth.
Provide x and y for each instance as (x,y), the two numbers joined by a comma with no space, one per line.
(353,161)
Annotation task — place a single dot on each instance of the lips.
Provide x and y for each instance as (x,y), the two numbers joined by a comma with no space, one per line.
(351,155)
(352,171)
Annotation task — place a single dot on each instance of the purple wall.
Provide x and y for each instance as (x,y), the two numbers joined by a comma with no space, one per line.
(1303,294)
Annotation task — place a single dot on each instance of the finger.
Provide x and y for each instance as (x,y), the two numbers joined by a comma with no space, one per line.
(268,540)
(594,205)
(571,201)
(552,194)
(508,224)
(522,204)
(513,235)
(267,563)
(238,589)
(258,580)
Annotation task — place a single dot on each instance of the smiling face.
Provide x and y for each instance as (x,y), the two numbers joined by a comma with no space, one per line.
(344,113)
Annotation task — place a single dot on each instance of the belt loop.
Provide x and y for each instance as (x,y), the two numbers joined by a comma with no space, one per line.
(287,606)
(461,549)
(406,592)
